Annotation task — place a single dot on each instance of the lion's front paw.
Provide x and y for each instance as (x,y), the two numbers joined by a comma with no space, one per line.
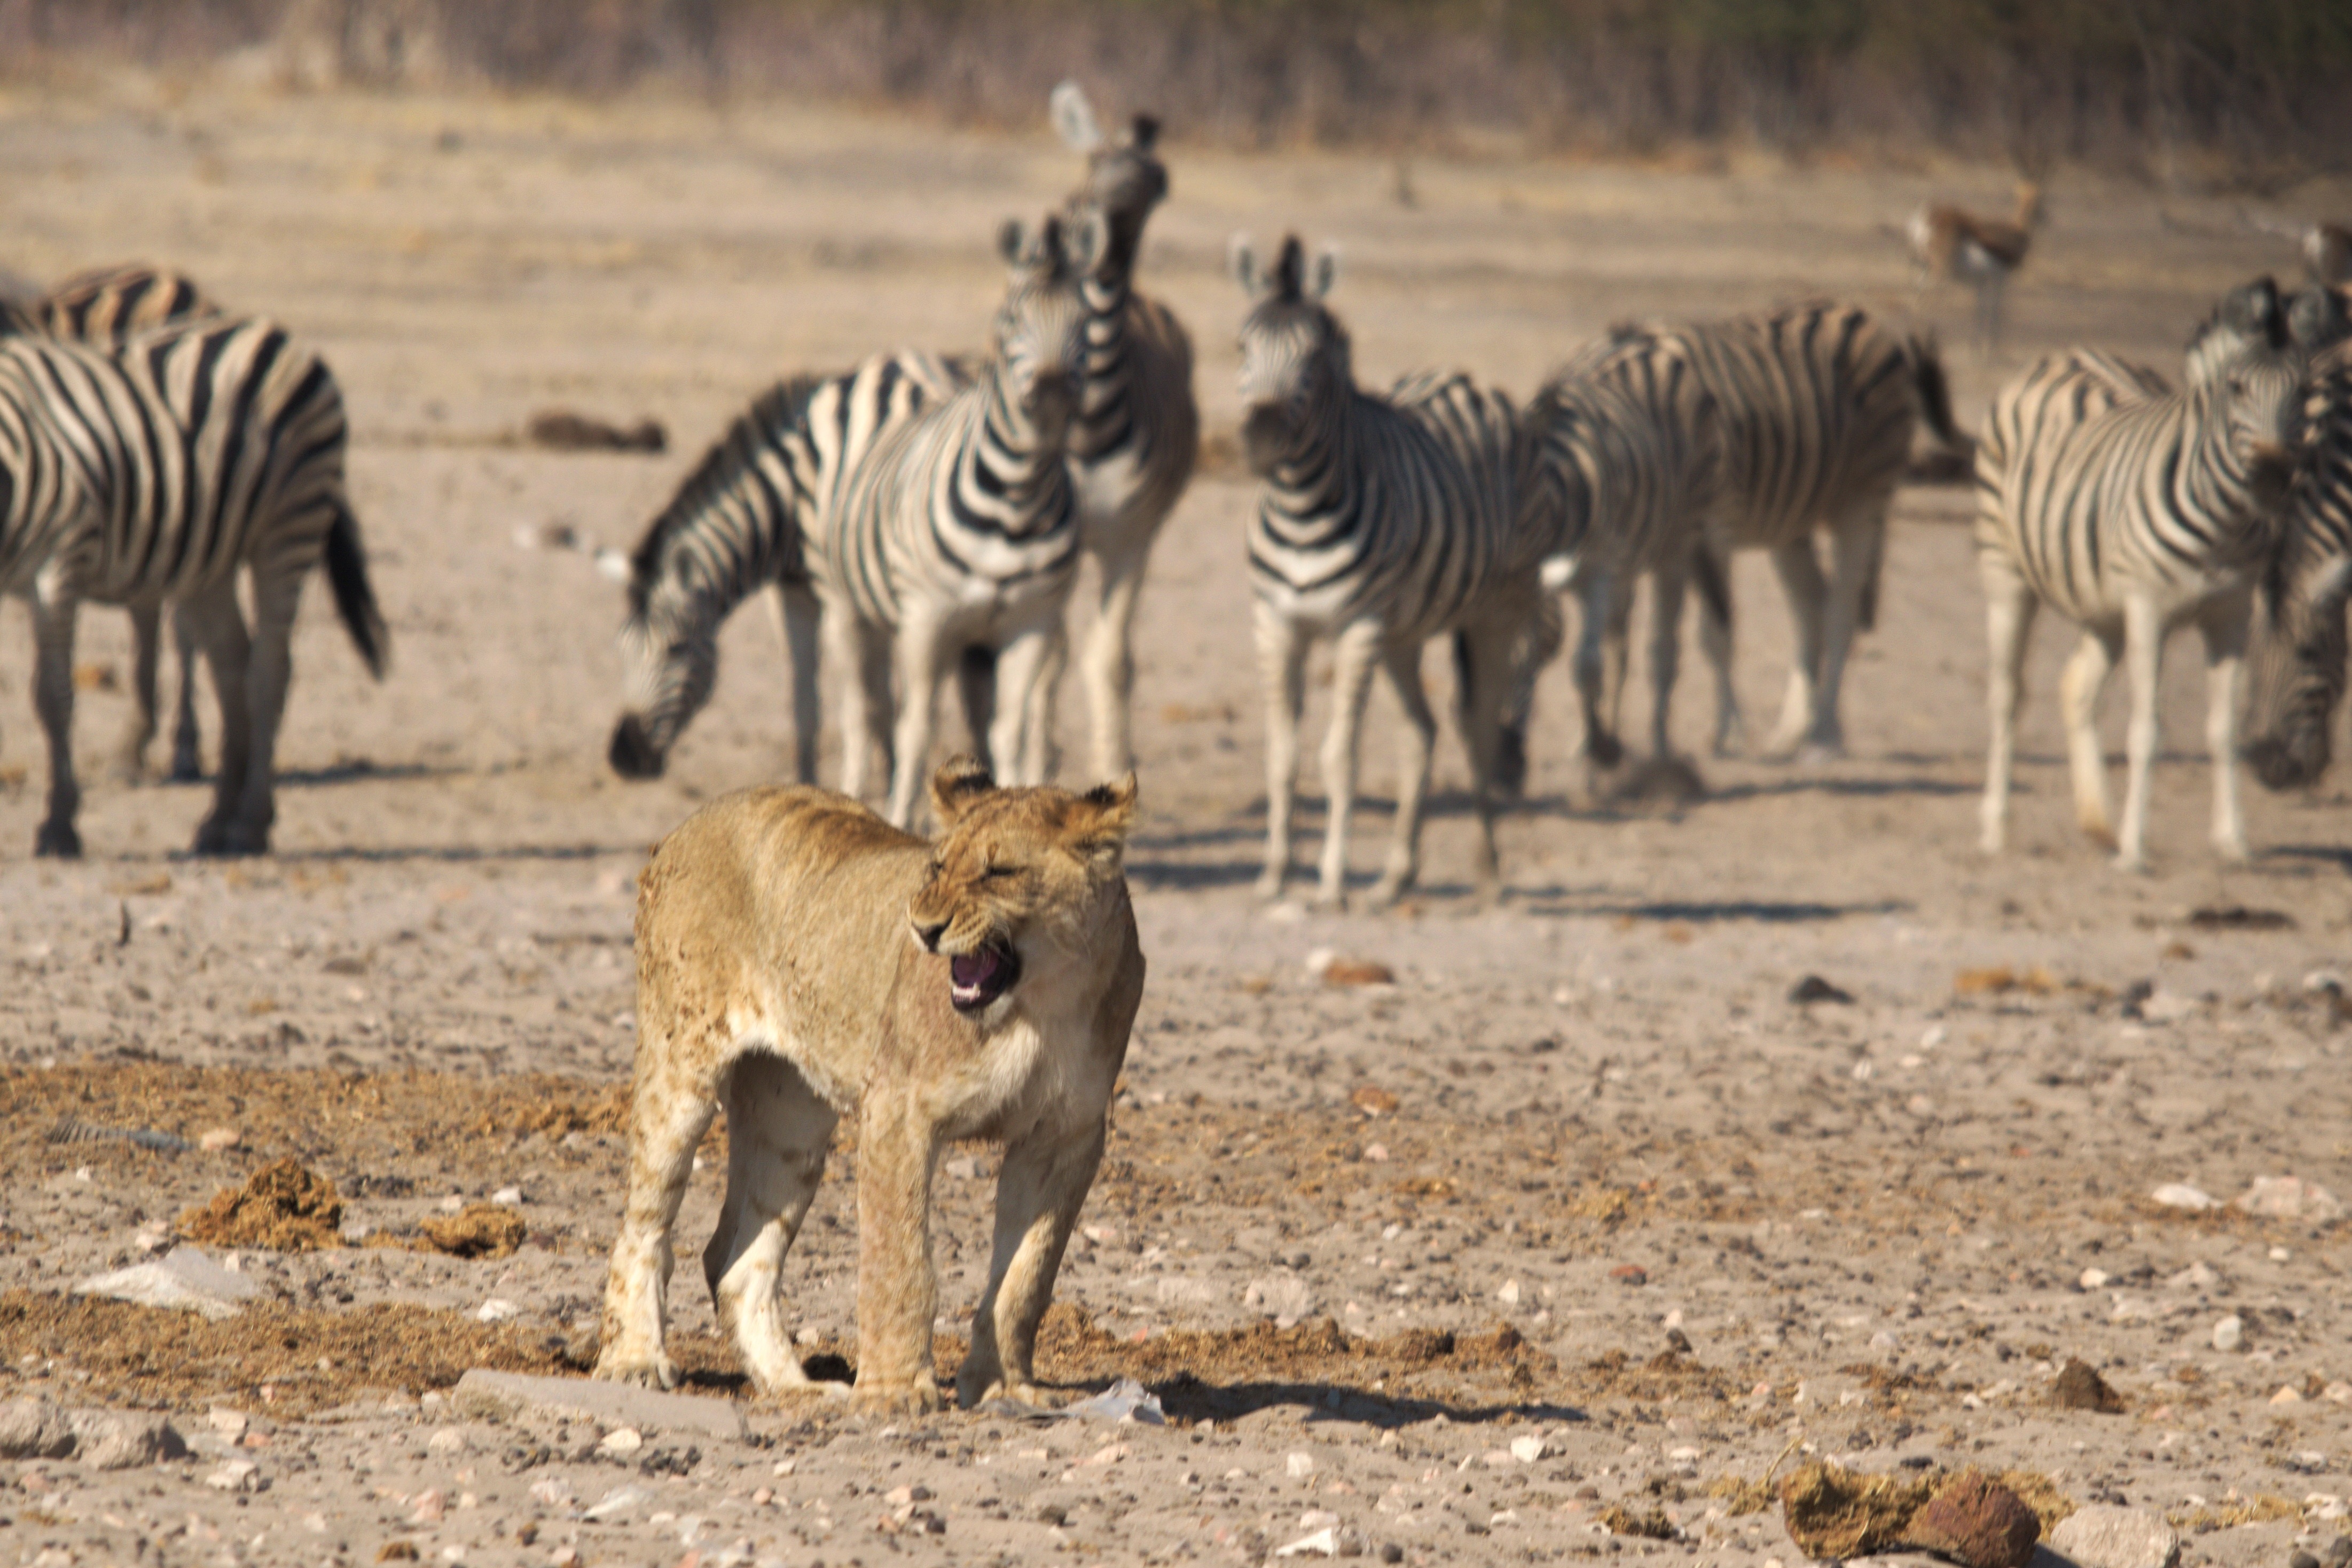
(646,1372)
(1017,1392)
(897,1398)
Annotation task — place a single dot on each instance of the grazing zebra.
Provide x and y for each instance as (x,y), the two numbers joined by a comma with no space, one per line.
(1618,465)
(1970,248)
(956,530)
(150,475)
(1814,408)
(1383,523)
(2298,675)
(737,525)
(1137,430)
(103,307)
(2131,508)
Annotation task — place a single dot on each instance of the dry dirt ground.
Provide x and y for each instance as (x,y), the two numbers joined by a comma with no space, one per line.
(1361,1239)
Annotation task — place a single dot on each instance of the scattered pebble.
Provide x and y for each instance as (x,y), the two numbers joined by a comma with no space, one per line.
(2181,1195)
(2228,1334)
(1301,1465)
(498,1310)
(510,1197)
(430,1505)
(1373,1101)
(2103,1535)
(1813,988)
(219,1138)
(447,1440)
(235,1476)
(1528,1450)
(1508,1295)
(2287,1197)
(620,1440)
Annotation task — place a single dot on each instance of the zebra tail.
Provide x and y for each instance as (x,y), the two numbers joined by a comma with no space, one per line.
(347,573)
(1936,396)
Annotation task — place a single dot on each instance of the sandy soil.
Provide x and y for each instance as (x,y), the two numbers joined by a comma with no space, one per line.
(1569,1128)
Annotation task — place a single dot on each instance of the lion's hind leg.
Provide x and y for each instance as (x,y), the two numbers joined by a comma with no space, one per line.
(777,1133)
(670,1110)
(1043,1185)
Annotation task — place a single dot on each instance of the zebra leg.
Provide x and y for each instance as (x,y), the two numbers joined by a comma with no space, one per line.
(1595,602)
(1400,662)
(2224,624)
(276,598)
(2144,657)
(1107,663)
(1354,652)
(860,652)
(921,655)
(2009,606)
(146,630)
(1854,556)
(219,627)
(1478,710)
(978,694)
(1616,660)
(187,756)
(1281,667)
(53,700)
(1714,641)
(777,1132)
(1799,571)
(801,620)
(2080,686)
(1666,587)
(1024,667)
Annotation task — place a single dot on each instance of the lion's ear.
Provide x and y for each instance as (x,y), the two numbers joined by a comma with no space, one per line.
(960,782)
(1107,812)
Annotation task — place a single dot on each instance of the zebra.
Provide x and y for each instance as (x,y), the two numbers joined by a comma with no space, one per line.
(2131,508)
(1814,408)
(1382,522)
(104,307)
(1619,453)
(1138,431)
(735,526)
(2298,669)
(957,529)
(150,475)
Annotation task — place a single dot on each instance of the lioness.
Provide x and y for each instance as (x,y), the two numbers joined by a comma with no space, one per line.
(802,960)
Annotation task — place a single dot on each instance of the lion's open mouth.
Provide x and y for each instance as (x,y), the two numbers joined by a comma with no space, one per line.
(976,979)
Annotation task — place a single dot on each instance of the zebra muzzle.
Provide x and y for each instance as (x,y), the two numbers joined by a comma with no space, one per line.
(632,754)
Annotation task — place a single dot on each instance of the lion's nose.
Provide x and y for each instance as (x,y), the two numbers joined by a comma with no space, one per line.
(928,935)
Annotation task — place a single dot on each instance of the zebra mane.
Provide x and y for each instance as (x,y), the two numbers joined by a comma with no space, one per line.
(2249,314)
(783,405)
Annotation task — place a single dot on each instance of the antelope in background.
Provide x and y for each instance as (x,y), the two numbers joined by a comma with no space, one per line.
(1969,247)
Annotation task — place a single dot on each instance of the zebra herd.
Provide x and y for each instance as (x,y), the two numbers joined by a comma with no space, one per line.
(922,518)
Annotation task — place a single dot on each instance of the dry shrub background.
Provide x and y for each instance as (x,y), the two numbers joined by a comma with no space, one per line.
(2189,92)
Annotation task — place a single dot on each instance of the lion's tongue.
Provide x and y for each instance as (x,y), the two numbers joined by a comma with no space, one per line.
(970,973)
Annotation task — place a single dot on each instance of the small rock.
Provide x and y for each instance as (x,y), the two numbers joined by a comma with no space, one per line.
(508,1198)
(1373,1101)
(2228,1334)
(1324,1542)
(2080,1387)
(125,1439)
(620,1500)
(2093,1278)
(2287,1197)
(498,1310)
(1527,1450)
(2287,1394)
(1377,1153)
(621,1441)
(1283,1295)
(1630,1274)
(185,1279)
(2339,1551)
(447,1440)
(1336,971)
(235,1476)
(2102,1535)
(1976,1522)
(564,1557)
(1298,1465)
(219,1138)
(1813,988)
(2196,1276)
(2302,1560)
(430,1506)
(34,1429)
(1508,1295)
(2181,1195)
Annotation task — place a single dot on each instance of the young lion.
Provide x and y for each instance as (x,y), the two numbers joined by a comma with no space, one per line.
(802,960)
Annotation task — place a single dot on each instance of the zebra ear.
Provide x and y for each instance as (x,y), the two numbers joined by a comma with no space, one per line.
(1143,132)
(1074,118)
(1012,239)
(1240,261)
(1326,272)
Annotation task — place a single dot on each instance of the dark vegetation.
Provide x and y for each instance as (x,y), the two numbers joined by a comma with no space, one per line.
(2188,91)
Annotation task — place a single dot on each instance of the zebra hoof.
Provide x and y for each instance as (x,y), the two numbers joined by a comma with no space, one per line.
(58,841)
(230,840)
(186,770)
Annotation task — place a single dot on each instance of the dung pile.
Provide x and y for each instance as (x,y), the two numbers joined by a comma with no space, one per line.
(480,1230)
(283,1207)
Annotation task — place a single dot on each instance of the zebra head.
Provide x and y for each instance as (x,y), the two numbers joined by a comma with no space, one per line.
(2298,669)
(1125,179)
(2249,372)
(668,675)
(1040,334)
(1296,362)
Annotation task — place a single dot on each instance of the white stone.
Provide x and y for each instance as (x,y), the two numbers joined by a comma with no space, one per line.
(1324,1542)
(498,1310)
(2196,1276)
(1527,1450)
(2181,1195)
(619,1500)
(511,1197)
(1510,1293)
(1299,1465)
(620,1440)
(2288,1197)
(2228,1334)
(2102,1535)
(1284,1295)
(235,1476)
(185,1280)
(2093,1278)
(448,1440)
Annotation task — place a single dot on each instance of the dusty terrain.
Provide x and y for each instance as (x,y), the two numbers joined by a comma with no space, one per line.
(1571,1127)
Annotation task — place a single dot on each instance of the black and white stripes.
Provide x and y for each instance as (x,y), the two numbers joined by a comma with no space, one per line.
(150,475)
(1382,522)
(2130,508)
